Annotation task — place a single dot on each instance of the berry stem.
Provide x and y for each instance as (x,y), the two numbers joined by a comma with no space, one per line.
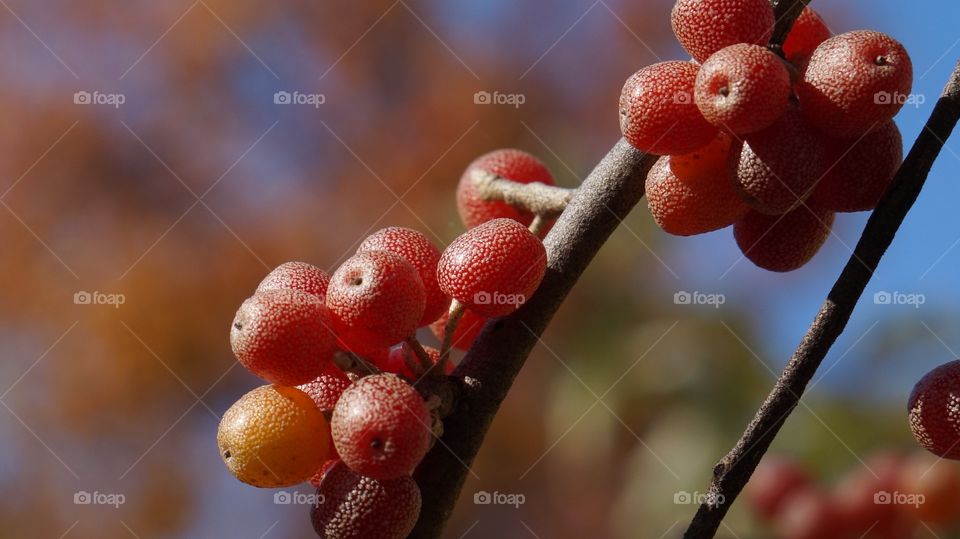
(351,363)
(785,12)
(455,314)
(537,198)
(424,364)
(538,225)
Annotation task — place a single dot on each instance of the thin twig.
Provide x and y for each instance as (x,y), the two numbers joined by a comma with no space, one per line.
(537,198)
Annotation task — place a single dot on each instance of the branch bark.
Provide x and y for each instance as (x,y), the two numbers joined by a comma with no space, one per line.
(732,473)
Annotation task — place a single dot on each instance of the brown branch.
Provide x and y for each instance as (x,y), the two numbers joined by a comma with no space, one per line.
(785,13)
(537,198)
(733,472)
(482,379)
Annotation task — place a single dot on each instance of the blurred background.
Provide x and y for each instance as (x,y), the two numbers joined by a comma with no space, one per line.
(158,158)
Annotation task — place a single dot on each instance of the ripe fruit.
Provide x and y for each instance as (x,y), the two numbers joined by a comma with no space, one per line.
(742,88)
(381,427)
(809,514)
(467,331)
(783,242)
(657,111)
(376,299)
(326,389)
(773,483)
(515,165)
(938,482)
(693,193)
(397,364)
(864,499)
(705,26)
(493,268)
(358,507)
(422,254)
(296,276)
(274,436)
(860,170)
(807,33)
(283,336)
(780,165)
(934,408)
(854,82)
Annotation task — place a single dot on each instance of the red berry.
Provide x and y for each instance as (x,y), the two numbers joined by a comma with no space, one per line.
(783,242)
(397,364)
(809,514)
(283,336)
(423,255)
(742,88)
(296,276)
(780,165)
(657,111)
(493,268)
(352,506)
(377,299)
(772,484)
(705,26)
(694,193)
(514,165)
(467,331)
(326,389)
(864,499)
(859,170)
(318,477)
(938,481)
(934,408)
(381,427)
(808,32)
(854,82)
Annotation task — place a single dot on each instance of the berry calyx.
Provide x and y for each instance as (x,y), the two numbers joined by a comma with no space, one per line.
(376,299)
(705,26)
(274,436)
(493,268)
(783,242)
(283,336)
(514,165)
(934,412)
(381,427)
(296,276)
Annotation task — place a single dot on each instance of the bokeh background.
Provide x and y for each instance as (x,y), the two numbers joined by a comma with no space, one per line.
(177,201)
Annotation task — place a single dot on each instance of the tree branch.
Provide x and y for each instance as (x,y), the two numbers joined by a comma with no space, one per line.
(536,198)
(485,375)
(733,472)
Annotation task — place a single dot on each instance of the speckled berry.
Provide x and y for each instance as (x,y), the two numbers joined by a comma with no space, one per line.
(467,331)
(381,427)
(705,26)
(854,82)
(274,436)
(325,390)
(296,276)
(934,409)
(283,336)
(658,113)
(742,88)
(514,165)
(376,299)
(352,506)
(783,242)
(807,33)
(493,268)
(423,255)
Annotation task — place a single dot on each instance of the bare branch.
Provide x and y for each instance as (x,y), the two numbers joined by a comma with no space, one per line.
(537,198)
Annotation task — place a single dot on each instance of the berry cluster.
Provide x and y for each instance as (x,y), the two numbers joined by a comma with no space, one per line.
(344,409)
(891,496)
(934,411)
(773,145)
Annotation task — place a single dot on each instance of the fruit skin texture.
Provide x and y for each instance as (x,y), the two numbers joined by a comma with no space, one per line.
(274,436)
(296,276)
(376,299)
(283,336)
(808,32)
(860,171)
(493,268)
(326,389)
(468,329)
(422,254)
(515,165)
(783,243)
(705,26)
(855,82)
(773,483)
(742,88)
(396,364)
(780,165)
(694,193)
(657,111)
(358,507)
(934,407)
(381,427)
